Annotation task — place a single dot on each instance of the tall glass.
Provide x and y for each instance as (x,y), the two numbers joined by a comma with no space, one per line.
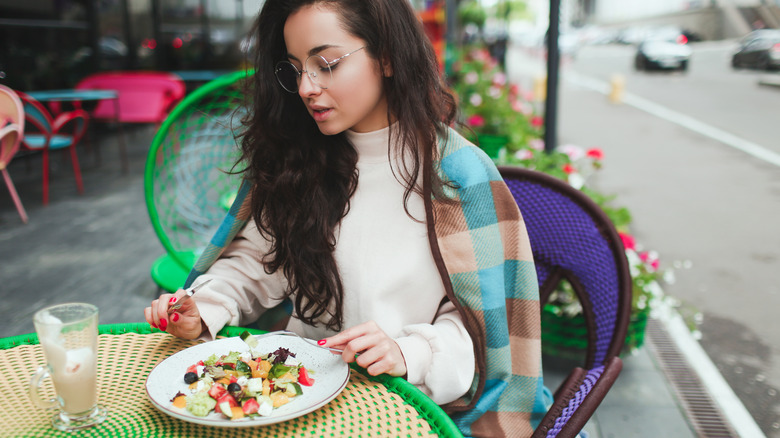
(68,335)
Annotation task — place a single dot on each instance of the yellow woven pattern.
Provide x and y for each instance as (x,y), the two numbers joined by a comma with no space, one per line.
(364,408)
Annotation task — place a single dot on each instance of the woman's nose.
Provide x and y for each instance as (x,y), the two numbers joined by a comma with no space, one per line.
(308,87)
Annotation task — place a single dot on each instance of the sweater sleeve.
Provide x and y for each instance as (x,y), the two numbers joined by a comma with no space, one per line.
(240,290)
(439,356)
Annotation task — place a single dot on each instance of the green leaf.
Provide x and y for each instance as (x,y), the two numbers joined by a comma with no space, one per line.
(211,360)
(279,370)
(242,367)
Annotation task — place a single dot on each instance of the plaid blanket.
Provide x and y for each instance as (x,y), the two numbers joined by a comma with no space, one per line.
(482,250)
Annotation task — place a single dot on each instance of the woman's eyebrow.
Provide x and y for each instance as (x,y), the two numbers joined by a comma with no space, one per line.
(318,49)
(313,50)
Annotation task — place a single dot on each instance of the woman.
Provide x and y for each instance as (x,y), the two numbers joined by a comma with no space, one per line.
(367,211)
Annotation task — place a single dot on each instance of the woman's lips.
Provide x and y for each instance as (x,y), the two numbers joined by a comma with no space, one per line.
(320,115)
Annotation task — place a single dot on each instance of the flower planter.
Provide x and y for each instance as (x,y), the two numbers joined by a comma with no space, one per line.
(566,336)
(493,145)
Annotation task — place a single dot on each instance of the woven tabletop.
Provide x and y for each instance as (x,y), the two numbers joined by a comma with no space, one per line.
(369,406)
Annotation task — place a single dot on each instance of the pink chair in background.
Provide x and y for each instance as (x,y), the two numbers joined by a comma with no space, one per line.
(144,96)
(44,133)
(11,131)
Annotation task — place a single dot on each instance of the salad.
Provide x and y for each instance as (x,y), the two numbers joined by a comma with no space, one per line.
(239,385)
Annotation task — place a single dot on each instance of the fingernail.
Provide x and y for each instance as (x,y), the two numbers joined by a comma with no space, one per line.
(321,342)
(163,324)
(152,324)
(172,300)
(175,317)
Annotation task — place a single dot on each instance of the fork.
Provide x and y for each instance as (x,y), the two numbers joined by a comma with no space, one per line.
(177,305)
(292,333)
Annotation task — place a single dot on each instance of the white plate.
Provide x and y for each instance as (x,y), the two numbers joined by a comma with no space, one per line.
(329,372)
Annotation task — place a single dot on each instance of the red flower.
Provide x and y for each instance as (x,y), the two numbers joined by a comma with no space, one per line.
(569,169)
(537,121)
(476,121)
(595,153)
(628,241)
(655,264)
(644,256)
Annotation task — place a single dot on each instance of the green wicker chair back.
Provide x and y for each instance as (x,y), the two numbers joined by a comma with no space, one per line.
(188,184)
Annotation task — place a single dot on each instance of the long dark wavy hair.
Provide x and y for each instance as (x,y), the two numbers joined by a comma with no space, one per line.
(303,180)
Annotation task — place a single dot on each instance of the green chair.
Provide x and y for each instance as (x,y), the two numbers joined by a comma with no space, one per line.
(187,181)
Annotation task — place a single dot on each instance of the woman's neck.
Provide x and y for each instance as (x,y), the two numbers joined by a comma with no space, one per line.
(373,147)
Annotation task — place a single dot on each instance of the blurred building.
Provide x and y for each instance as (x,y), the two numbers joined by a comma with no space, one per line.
(53,43)
(709,18)
(49,44)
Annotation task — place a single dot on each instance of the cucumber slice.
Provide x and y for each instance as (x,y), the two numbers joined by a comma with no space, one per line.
(291,389)
(249,339)
(225,408)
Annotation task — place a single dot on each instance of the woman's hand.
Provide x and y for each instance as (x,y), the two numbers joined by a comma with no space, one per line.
(185,323)
(378,352)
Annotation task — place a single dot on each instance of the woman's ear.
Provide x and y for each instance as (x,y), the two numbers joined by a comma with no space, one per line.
(387,67)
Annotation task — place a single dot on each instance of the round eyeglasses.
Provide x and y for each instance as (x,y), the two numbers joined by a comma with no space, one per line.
(319,70)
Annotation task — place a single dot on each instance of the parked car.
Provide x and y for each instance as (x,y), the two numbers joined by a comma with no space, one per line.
(662,54)
(760,49)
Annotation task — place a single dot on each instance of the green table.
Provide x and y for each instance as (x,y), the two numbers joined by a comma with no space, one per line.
(369,406)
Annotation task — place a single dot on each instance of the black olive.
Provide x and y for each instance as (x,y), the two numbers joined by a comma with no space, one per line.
(190,378)
(234,388)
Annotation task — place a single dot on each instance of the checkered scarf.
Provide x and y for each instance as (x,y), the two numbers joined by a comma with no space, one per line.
(481,247)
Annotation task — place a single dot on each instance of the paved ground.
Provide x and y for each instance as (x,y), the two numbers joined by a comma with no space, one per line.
(97,247)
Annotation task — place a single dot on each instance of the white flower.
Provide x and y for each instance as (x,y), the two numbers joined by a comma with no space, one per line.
(574,152)
(494,92)
(633,261)
(655,289)
(499,79)
(471,78)
(536,144)
(576,180)
(524,154)
(669,277)
(475,99)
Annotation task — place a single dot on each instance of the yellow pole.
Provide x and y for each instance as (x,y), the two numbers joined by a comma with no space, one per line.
(540,88)
(617,85)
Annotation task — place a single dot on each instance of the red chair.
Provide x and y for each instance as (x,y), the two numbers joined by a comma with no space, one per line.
(11,129)
(144,96)
(44,133)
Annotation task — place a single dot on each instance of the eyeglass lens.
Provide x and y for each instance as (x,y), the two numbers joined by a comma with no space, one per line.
(315,66)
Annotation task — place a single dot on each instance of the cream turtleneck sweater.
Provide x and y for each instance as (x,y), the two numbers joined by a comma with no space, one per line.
(387,271)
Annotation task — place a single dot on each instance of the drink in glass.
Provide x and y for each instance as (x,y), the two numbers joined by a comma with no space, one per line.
(68,336)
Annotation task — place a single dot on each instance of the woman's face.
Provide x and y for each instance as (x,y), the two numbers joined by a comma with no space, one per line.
(355,98)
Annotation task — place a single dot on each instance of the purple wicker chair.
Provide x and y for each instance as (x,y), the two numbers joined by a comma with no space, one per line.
(572,239)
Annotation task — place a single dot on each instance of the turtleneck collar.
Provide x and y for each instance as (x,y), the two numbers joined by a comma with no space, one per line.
(371,146)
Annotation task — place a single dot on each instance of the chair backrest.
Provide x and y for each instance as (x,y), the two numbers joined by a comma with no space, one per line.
(11,113)
(11,108)
(571,238)
(188,188)
(9,143)
(144,96)
(38,119)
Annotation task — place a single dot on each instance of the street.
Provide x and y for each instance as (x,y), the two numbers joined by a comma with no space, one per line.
(691,156)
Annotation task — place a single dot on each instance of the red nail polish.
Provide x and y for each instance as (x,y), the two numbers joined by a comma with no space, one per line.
(152,324)
(175,317)
(321,342)
(172,300)
(163,324)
